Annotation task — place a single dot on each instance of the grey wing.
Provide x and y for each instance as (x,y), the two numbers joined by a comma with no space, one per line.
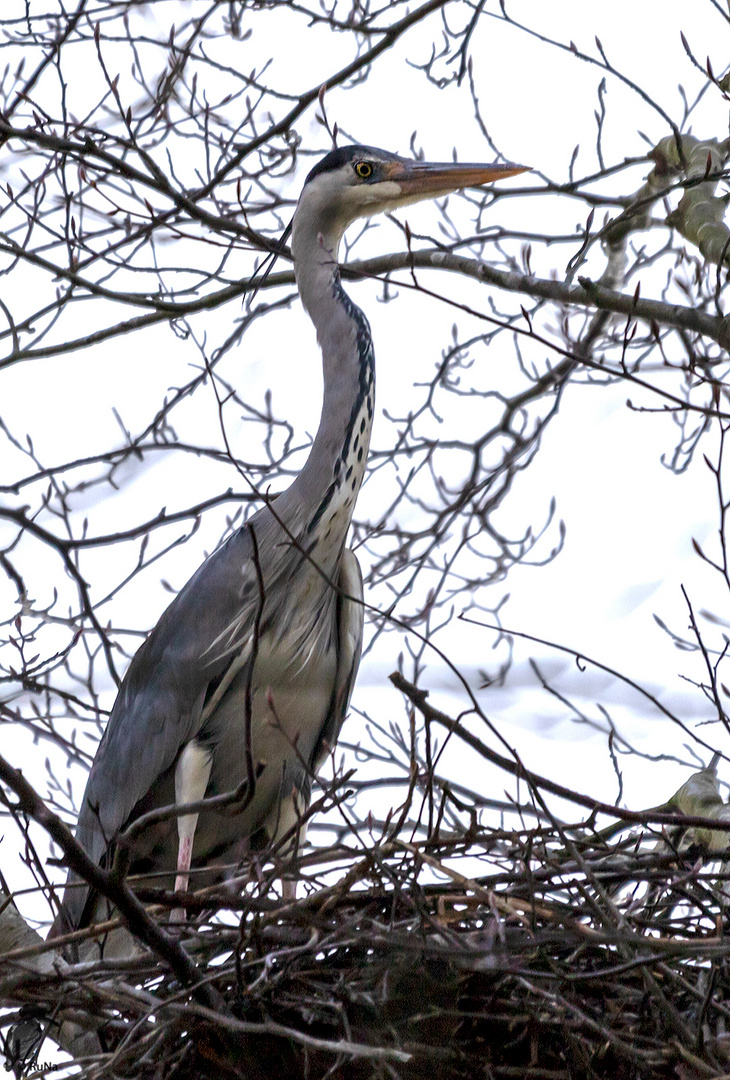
(160,702)
(350,621)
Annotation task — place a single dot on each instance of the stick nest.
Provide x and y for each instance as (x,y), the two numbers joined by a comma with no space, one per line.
(538,953)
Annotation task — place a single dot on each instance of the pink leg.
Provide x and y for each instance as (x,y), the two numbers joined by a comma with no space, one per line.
(191,780)
(184,857)
(290,815)
(288,890)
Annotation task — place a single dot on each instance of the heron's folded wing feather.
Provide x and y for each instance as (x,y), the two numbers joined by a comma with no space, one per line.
(160,702)
(350,620)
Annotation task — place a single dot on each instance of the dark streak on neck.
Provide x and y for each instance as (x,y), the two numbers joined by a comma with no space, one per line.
(366,386)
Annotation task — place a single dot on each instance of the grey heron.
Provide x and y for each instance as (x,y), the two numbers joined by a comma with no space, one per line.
(251,667)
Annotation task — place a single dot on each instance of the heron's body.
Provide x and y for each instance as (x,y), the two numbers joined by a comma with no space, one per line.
(263,643)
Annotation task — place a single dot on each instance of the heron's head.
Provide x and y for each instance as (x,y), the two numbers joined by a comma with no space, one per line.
(358,181)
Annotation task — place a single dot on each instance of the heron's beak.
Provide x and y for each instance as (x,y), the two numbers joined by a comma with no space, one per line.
(422,180)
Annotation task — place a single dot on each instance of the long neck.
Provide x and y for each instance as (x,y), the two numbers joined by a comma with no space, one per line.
(330,479)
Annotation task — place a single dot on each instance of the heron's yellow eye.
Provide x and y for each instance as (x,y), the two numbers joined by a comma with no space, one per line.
(363,169)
